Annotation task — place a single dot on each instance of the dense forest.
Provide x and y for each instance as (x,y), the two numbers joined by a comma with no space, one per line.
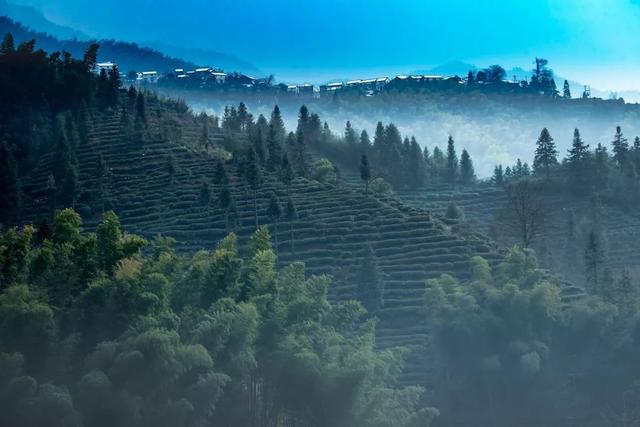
(159,267)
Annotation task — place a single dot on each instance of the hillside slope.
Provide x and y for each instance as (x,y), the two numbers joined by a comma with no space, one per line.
(334,226)
(483,204)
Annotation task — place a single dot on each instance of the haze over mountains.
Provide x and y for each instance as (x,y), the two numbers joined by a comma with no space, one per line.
(33,19)
(586,42)
(315,56)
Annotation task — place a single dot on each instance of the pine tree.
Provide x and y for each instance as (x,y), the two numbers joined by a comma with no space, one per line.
(439,164)
(578,158)
(636,153)
(452,162)
(378,144)
(274,213)
(620,148)
(470,78)
(350,134)
(113,86)
(8,45)
(299,160)
(365,142)
(253,178)
(601,167)
(286,172)
(90,57)
(416,165)
(277,124)
(498,176)
(141,108)
(579,151)
(566,91)
(365,172)
(303,120)
(546,156)
(594,261)
(9,184)
(274,150)
(467,173)
(370,282)
(205,139)
(257,141)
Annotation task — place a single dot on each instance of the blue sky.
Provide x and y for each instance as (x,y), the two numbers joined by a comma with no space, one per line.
(597,42)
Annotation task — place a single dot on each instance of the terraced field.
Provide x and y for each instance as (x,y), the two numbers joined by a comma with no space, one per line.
(334,225)
(481,203)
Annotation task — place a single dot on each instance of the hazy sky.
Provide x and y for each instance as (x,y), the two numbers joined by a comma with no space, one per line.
(592,41)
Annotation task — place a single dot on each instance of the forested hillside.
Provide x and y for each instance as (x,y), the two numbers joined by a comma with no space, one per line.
(130,56)
(159,267)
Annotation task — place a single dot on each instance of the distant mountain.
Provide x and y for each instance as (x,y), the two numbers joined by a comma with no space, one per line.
(209,58)
(128,56)
(451,68)
(33,18)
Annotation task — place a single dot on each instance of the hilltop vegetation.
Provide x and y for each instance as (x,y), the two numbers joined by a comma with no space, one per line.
(130,55)
(269,277)
(96,334)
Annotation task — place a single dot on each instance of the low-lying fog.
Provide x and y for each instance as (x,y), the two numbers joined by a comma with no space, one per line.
(494,131)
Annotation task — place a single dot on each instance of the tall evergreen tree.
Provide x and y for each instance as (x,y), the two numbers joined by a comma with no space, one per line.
(365,142)
(303,120)
(141,108)
(350,134)
(566,90)
(438,164)
(205,138)
(470,78)
(594,261)
(601,167)
(299,159)
(274,213)
(620,148)
(113,86)
(452,162)
(274,149)
(365,172)
(277,124)
(378,142)
(577,159)
(546,157)
(467,173)
(498,175)
(416,165)
(8,45)
(286,172)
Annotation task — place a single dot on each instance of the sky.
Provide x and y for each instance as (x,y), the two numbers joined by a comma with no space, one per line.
(591,41)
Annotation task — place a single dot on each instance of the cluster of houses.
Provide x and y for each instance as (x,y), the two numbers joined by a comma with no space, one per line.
(216,79)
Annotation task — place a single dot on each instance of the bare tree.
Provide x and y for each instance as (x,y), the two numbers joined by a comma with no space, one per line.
(524,213)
